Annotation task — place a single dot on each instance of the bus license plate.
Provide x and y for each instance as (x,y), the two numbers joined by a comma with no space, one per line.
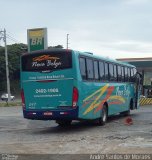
(48,113)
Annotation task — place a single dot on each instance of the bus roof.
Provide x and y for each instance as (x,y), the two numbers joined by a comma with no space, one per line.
(46,51)
(107,59)
(87,54)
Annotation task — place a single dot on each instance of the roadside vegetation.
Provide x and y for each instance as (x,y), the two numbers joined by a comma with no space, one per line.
(10,104)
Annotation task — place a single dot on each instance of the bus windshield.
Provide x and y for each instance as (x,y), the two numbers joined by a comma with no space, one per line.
(46,61)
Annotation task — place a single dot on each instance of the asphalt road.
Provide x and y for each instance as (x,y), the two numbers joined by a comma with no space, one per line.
(22,136)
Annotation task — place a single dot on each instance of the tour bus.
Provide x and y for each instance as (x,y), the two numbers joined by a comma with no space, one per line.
(66,85)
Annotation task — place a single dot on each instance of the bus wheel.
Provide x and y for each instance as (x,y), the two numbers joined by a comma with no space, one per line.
(104,116)
(64,123)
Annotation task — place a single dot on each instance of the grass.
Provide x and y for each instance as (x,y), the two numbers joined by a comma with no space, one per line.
(10,104)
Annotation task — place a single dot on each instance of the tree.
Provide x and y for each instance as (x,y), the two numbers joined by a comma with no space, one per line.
(58,46)
(14,53)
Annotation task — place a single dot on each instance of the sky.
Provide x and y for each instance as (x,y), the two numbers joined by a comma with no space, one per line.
(110,28)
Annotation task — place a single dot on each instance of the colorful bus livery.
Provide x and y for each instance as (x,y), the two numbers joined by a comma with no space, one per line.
(66,85)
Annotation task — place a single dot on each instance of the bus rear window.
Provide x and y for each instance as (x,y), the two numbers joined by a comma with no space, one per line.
(46,61)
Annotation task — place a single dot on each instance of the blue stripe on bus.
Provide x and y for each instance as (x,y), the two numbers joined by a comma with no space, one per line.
(51,115)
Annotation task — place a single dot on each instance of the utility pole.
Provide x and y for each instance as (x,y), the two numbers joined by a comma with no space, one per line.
(3,33)
(67,41)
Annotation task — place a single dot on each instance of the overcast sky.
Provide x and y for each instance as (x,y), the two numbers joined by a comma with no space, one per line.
(112,28)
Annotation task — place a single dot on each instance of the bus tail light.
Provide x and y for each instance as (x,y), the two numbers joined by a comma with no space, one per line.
(23,98)
(75,97)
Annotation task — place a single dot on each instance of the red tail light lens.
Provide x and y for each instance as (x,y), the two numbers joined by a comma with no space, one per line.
(75,97)
(23,98)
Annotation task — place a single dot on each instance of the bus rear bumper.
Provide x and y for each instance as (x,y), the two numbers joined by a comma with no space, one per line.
(71,114)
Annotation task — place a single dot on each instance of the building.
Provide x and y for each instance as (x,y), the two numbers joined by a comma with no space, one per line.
(144,66)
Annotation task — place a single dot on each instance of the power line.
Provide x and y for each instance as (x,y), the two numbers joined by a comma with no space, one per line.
(11,38)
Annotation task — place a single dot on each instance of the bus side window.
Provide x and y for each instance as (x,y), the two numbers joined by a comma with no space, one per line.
(83,68)
(126,74)
(119,73)
(101,70)
(132,75)
(111,72)
(90,74)
(129,79)
(96,70)
(122,73)
(106,72)
(115,73)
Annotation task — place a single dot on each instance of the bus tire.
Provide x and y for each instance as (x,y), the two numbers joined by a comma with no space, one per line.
(64,123)
(104,116)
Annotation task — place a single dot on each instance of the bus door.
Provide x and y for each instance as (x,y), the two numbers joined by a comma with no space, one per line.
(138,86)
